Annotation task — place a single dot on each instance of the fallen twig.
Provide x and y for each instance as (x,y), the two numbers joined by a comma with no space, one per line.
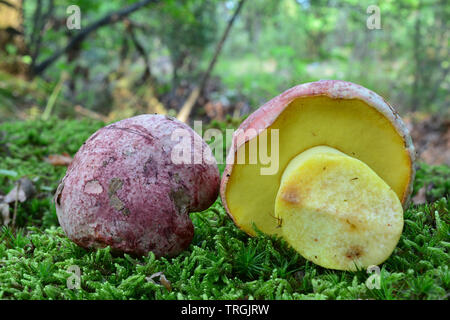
(187,107)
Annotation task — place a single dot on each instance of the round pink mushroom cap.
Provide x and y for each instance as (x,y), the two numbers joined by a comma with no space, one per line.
(132,185)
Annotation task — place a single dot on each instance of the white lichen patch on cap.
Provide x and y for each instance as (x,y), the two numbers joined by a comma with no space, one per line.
(93,187)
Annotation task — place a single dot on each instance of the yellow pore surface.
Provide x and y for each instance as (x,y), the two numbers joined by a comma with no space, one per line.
(337,212)
(348,125)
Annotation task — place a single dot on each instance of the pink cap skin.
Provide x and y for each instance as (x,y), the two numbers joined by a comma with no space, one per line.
(123,189)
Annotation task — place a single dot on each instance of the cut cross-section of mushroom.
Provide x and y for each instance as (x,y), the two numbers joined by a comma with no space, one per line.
(336,211)
(343,116)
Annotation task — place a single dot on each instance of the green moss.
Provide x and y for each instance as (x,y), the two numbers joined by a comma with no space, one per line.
(23,149)
(221,263)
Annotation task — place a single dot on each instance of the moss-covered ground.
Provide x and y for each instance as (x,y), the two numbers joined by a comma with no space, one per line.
(221,263)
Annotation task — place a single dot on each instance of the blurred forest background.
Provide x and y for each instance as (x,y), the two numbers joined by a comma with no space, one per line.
(218,60)
(215,61)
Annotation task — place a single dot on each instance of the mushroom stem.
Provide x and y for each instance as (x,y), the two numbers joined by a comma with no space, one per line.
(336,211)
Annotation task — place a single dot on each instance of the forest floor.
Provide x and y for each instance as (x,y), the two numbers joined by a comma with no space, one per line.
(221,263)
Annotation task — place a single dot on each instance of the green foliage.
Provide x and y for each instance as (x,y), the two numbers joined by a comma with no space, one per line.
(273,45)
(187,28)
(221,263)
(299,41)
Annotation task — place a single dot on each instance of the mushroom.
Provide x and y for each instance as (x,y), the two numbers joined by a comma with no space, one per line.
(132,185)
(345,169)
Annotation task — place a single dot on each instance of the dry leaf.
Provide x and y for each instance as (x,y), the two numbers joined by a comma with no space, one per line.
(59,159)
(166,283)
(23,191)
(162,280)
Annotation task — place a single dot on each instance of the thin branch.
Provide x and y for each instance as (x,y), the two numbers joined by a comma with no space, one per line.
(110,18)
(219,47)
(141,50)
(185,111)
